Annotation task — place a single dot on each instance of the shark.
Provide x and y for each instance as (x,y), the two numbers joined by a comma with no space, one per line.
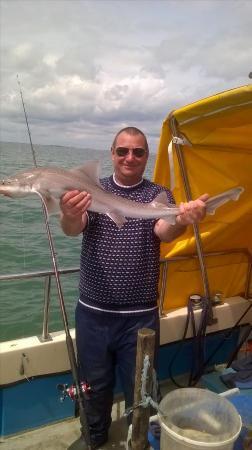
(50,183)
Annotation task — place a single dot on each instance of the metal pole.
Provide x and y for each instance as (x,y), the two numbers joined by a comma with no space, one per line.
(164,272)
(45,334)
(248,280)
(174,130)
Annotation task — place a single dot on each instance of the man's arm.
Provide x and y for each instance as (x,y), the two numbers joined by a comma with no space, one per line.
(74,205)
(191,212)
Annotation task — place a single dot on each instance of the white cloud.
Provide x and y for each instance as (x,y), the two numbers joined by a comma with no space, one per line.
(89,67)
(51,60)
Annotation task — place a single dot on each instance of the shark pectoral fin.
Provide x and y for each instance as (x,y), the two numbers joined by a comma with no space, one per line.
(52,204)
(118,219)
(171,219)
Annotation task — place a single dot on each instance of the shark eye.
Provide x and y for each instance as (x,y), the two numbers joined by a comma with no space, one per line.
(6,182)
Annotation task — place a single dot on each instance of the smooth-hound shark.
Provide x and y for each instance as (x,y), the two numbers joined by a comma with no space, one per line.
(51,183)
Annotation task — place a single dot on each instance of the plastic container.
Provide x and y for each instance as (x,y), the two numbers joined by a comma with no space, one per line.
(193,418)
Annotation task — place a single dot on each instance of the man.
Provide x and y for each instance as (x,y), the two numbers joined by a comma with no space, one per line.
(119,273)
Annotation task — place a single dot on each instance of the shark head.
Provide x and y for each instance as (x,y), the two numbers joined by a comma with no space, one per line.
(15,186)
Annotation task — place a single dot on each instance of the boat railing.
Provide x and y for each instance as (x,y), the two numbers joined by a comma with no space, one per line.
(48,274)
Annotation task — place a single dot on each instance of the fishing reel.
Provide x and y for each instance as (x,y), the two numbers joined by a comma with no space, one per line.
(71,391)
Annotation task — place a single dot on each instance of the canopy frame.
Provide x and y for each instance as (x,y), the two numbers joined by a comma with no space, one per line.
(174,128)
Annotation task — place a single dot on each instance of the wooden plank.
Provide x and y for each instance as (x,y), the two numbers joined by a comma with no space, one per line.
(140,420)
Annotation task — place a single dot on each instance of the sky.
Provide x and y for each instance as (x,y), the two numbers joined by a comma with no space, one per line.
(89,68)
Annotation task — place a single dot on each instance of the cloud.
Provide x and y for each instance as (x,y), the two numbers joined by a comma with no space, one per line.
(88,68)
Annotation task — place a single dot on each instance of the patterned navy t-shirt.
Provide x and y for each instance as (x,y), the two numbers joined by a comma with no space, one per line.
(119,268)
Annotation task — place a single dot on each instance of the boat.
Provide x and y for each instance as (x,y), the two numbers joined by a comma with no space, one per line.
(204,147)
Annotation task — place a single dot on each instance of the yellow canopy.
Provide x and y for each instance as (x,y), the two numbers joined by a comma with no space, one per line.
(217,157)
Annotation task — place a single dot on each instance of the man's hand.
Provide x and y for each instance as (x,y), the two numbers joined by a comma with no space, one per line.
(74,205)
(193,211)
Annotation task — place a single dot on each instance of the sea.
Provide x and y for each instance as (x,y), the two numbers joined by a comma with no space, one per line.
(24,245)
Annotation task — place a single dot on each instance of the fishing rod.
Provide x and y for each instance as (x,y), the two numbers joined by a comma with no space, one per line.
(27,124)
(79,387)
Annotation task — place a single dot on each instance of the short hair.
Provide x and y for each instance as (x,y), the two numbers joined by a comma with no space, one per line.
(133,131)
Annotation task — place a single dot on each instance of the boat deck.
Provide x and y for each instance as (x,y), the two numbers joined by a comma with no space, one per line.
(60,435)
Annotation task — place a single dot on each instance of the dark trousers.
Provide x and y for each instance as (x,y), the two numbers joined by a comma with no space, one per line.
(106,342)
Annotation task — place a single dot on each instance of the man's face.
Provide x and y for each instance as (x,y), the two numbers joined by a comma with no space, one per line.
(129,169)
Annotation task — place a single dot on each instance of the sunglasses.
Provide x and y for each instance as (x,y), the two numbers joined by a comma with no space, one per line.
(138,152)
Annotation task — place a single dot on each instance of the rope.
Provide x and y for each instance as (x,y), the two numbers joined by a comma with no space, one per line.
(146,399)
(198,354)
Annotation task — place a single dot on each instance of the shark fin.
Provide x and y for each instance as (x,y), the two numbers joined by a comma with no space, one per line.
(161,199)
(90,169)
(212,206)
(237,192)
(52,204)
(118,219)
(170,218)
(214,202)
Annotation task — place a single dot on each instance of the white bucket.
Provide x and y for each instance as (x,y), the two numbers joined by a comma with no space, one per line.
(195,418)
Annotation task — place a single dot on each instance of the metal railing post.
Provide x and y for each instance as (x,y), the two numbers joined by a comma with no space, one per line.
(45,336)
(164,271)
(47,275)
